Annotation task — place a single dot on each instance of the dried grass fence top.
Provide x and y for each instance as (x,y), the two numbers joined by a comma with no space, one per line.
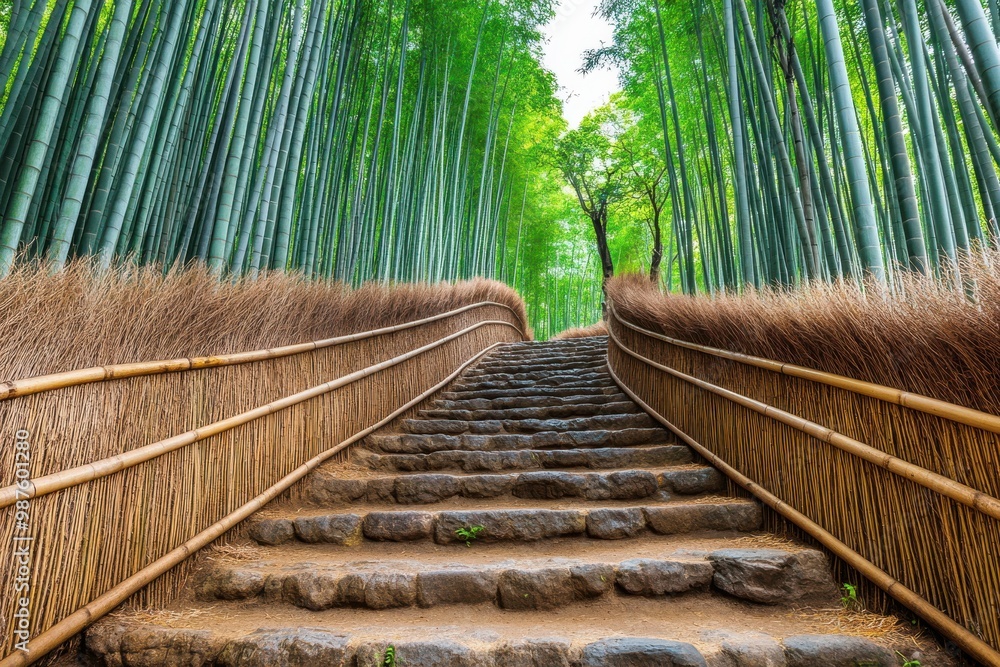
(38,384)
(80,318)
(923,338)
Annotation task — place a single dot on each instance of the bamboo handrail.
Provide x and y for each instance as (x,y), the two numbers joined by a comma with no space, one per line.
(906,399)
(971,644)
(933,481)
(64,479)
(50,639)
(41,383)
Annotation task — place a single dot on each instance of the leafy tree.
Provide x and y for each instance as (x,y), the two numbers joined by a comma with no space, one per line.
(584,155)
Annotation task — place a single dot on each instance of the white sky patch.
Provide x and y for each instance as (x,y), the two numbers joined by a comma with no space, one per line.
(573,31)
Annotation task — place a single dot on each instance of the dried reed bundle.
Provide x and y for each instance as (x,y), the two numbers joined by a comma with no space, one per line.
(598,329)
(923,337)
(80,317)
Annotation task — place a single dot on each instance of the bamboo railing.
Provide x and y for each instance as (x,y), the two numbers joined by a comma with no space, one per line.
(114,516)
(902,489)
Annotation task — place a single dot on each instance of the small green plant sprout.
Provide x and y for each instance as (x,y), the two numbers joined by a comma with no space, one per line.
(389,660)
(470,534)
(908,662)
(850,595)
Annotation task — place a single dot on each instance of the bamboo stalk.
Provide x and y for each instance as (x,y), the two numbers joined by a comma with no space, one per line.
(925,404)
(76,622)
(73,476)
(929,480)
(38,384)
(943,623)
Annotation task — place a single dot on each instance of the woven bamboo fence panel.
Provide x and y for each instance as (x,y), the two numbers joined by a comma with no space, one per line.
(91,536)
(945,551)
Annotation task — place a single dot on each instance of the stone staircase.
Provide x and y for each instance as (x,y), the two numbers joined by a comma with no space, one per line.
(533,515)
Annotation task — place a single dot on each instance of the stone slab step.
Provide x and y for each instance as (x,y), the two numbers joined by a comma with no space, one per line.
(549,412)
(566,351)
(527,459)
(425,444)
(534,374)
(452,395)
(539,401)
(333,488)
(583,380)
(590,634)
(507,525)
(547,366)
(765,576)
(489,426)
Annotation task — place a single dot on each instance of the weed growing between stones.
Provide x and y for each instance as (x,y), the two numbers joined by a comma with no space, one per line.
(470,534)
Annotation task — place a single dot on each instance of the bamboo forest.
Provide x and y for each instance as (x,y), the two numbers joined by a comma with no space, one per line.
(500,333)
(763,143)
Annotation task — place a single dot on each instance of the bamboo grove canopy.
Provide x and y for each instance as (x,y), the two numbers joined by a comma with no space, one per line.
(341,138)
(754,142)
(807,139)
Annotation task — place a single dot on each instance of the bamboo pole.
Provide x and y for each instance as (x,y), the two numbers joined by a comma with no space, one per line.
(920,606)
(929,480)
(918,402)
(76,622)
(64,479)
(41,383)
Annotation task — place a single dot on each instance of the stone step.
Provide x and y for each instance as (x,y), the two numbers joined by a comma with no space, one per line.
(496,426)
(408,443)
(332,488)
(533,372)
(530,392)
(547,366)
(532,378)
(581,380)
(507,525)
(532,347)
(549,412)
(598,633)
(541,401)
(763,576)
(527,459)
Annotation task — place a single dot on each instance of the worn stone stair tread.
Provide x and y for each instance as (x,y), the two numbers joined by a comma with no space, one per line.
(528,402)
(724,633)
(528,392)
(299,508)
(542,412)
(507,523)
(545,367)
(500,426)
(440,555)
(597,378)
(412,443)
(334,487)
(512,369)
(597,458)
(764,576)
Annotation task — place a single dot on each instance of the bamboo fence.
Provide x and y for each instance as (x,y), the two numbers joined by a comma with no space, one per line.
(901,489)
(135,467)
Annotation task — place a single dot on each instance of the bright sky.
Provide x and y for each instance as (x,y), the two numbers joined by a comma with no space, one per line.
(573,31)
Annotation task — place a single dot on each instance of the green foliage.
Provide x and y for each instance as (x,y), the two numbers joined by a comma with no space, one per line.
(849,595)
(470,534)
(908,662)
(389,659)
